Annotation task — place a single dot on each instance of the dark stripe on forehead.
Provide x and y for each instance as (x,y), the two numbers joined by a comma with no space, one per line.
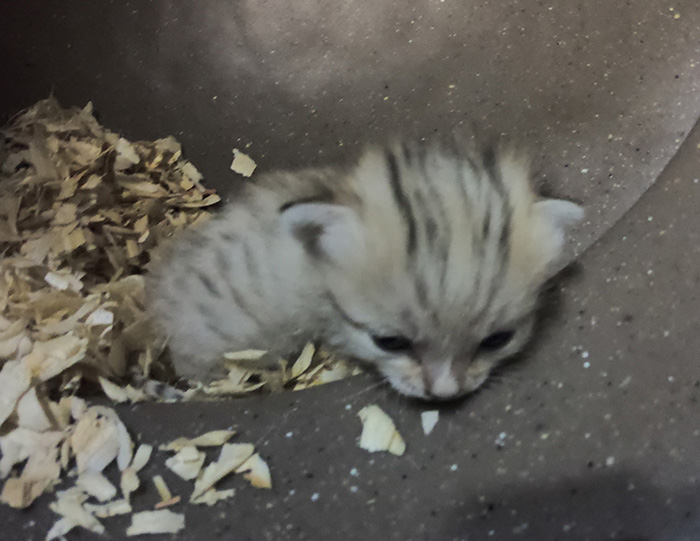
(421,291)
(503,255)
(486,227)
(495,285)
(490,165)
(424,302)
(401,201)
(489,157)
(407,153)
(467,156)
(504,239)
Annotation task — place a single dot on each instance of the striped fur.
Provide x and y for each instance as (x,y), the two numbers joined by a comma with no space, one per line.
(409,260)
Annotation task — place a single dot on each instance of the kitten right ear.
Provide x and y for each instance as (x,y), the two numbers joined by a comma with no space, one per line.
(561,216)
(325,230)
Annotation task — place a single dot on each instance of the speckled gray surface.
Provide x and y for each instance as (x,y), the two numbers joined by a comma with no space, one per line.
(601,92)
(593,436)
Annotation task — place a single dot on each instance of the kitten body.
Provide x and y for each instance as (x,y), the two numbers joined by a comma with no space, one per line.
(425,261)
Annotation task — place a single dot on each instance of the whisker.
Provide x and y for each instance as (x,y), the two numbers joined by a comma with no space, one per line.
(371,386)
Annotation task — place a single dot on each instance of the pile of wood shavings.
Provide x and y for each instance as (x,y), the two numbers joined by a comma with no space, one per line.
(81,210)
(251,370)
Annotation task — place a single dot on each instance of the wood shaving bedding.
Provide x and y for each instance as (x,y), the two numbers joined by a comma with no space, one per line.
(81,210)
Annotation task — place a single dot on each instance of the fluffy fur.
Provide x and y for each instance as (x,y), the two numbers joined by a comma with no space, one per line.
(425,261)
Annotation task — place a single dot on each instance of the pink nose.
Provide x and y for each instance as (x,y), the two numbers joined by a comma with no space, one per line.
(439,381)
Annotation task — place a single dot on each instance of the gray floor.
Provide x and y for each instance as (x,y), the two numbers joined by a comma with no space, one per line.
(594,434)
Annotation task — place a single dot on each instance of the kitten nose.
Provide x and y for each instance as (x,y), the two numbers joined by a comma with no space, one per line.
(439,381)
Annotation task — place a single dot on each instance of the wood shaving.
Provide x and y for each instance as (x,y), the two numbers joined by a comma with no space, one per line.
(167,503)
(33,412)
(69,504)
(162,488)
(256,470)
(99,438)
(187,463)
(428,420)
(96,485)
(245,355)
(14,382)
(110,509)
(153,522)
(23,443)
(231,457)
(141,456)
(242,163)
(303,362)
(251,370)
(121,394)
(129,483)
(213,496)
(208,439)
(379,432)
(41,470)
(60,528)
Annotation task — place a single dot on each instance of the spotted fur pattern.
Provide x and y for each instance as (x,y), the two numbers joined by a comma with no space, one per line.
(424,260)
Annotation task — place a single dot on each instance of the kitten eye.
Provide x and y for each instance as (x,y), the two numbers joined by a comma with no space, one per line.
(496,340)
(392,344)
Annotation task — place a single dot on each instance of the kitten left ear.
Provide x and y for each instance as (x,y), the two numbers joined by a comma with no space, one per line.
(561,216)
(324,229)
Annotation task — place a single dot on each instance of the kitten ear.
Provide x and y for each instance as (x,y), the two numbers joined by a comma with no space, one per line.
(561,216)
(325,230)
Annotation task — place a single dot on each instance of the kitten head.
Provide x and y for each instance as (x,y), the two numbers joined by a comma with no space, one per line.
(433,271)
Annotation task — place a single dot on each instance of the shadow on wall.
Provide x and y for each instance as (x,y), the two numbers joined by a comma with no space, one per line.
(333,75)
(308,82)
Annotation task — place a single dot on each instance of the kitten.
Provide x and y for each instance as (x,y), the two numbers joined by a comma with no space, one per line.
(424,260)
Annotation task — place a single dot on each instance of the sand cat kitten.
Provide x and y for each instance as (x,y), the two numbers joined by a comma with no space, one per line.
(423,260)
